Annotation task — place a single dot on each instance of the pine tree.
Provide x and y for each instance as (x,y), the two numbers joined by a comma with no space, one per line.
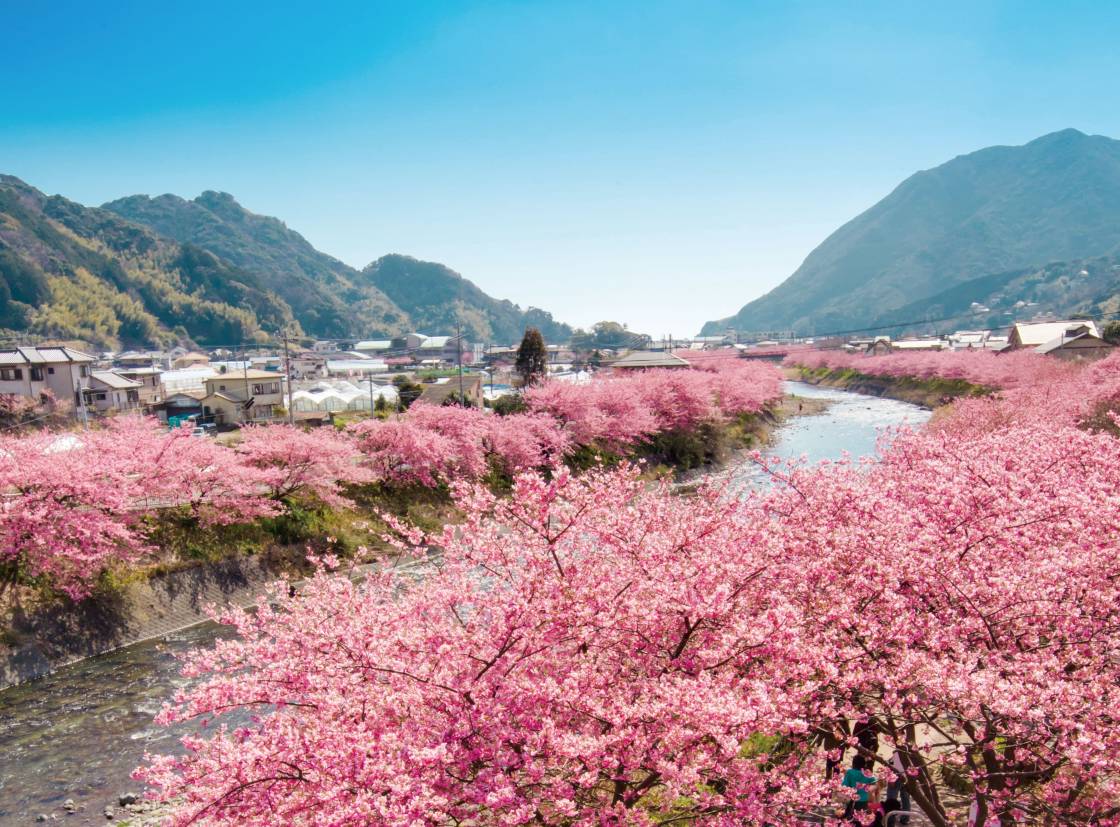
(532,358)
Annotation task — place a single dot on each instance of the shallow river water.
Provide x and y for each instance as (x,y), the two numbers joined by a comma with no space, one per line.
(78,733)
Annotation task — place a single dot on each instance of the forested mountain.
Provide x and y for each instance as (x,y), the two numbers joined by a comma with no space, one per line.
(394,294)
(994,211)
(77,272)
(435,297)
(326,295)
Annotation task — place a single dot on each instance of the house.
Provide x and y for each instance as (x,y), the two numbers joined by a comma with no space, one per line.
(1033,334)
(151,385)
(308,364)
(137,359)
(243,396)
(34,371)
(193,359)
(879,347)
(439,393)
(643,359)
(178,406)
(1076,344)
(110,392)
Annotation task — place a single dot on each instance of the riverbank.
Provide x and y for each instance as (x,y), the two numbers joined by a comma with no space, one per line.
(928,393)
(39,634)
(78,733)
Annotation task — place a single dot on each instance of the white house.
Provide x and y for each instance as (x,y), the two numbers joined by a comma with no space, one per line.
(110,392)
(33,371)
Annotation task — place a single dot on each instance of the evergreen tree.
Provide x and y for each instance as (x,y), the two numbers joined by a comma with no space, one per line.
(532,358)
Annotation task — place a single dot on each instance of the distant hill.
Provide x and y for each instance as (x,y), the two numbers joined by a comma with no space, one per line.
(394,294)
(436,297)
(998,210)
(77,272)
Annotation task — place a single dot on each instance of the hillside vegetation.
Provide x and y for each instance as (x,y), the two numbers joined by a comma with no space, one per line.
(394,294)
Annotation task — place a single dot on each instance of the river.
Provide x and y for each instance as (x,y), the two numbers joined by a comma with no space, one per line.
(78,733)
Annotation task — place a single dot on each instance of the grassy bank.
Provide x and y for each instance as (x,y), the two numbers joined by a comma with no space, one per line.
(929,393)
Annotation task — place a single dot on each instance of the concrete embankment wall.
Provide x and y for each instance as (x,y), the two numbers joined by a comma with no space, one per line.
(41,640)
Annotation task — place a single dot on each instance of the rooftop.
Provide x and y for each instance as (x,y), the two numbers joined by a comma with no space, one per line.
(114,380)
(43,356)
(639,359)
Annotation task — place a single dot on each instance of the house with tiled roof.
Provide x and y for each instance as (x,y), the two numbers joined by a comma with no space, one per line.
(62,372)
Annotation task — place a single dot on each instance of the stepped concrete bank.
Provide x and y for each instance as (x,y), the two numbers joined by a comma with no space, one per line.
(928,393)
(37,642)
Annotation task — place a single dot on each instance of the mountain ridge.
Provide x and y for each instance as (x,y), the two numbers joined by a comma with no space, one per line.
(328,297)
(996,209)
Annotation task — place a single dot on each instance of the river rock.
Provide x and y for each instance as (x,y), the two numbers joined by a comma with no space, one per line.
(109,813)
(127,798)
(69,806)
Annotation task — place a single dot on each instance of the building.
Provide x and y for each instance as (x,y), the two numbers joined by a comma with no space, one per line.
(1034,334)
(1076,344)
(151,384)
(110,392)
(439,393)
(342,396)
(919,344)
(243,396)
(355,367)
(178,406)
(643,359)
(194,359)
(373,347)
(61,372)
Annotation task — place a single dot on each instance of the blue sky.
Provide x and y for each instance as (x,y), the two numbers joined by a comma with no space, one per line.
(656,163)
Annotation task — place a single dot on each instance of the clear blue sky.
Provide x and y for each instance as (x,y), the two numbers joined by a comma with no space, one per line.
(656,163)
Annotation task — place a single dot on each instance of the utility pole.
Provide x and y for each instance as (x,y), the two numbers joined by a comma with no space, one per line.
(288,377)
(459,354)
(369,379)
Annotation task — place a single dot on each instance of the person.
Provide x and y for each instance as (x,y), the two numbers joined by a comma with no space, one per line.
(858,779)
(897,789)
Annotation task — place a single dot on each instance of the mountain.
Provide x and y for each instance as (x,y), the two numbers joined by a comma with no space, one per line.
(392,295)
(326,295)
(997,210)
(75,272)
(436,297)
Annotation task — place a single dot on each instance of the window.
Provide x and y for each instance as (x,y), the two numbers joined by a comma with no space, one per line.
(221,387)
(100,397)
(50,371)
(36,374)
(11,374)
(83,370)
(264,387)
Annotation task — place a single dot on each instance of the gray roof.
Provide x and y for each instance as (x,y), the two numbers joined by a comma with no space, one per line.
(43,356)
(114,380)
(649,359)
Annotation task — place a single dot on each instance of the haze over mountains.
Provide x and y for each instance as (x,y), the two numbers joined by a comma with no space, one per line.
(146,270)
(1004,217)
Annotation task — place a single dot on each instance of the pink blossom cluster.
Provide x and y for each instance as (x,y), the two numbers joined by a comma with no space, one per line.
(433,445)
(73,504)
(618,410)
(594,651)
(983,368)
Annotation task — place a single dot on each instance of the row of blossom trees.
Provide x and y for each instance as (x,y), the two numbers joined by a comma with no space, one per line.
(591,650)
(983,368)
(75,504)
